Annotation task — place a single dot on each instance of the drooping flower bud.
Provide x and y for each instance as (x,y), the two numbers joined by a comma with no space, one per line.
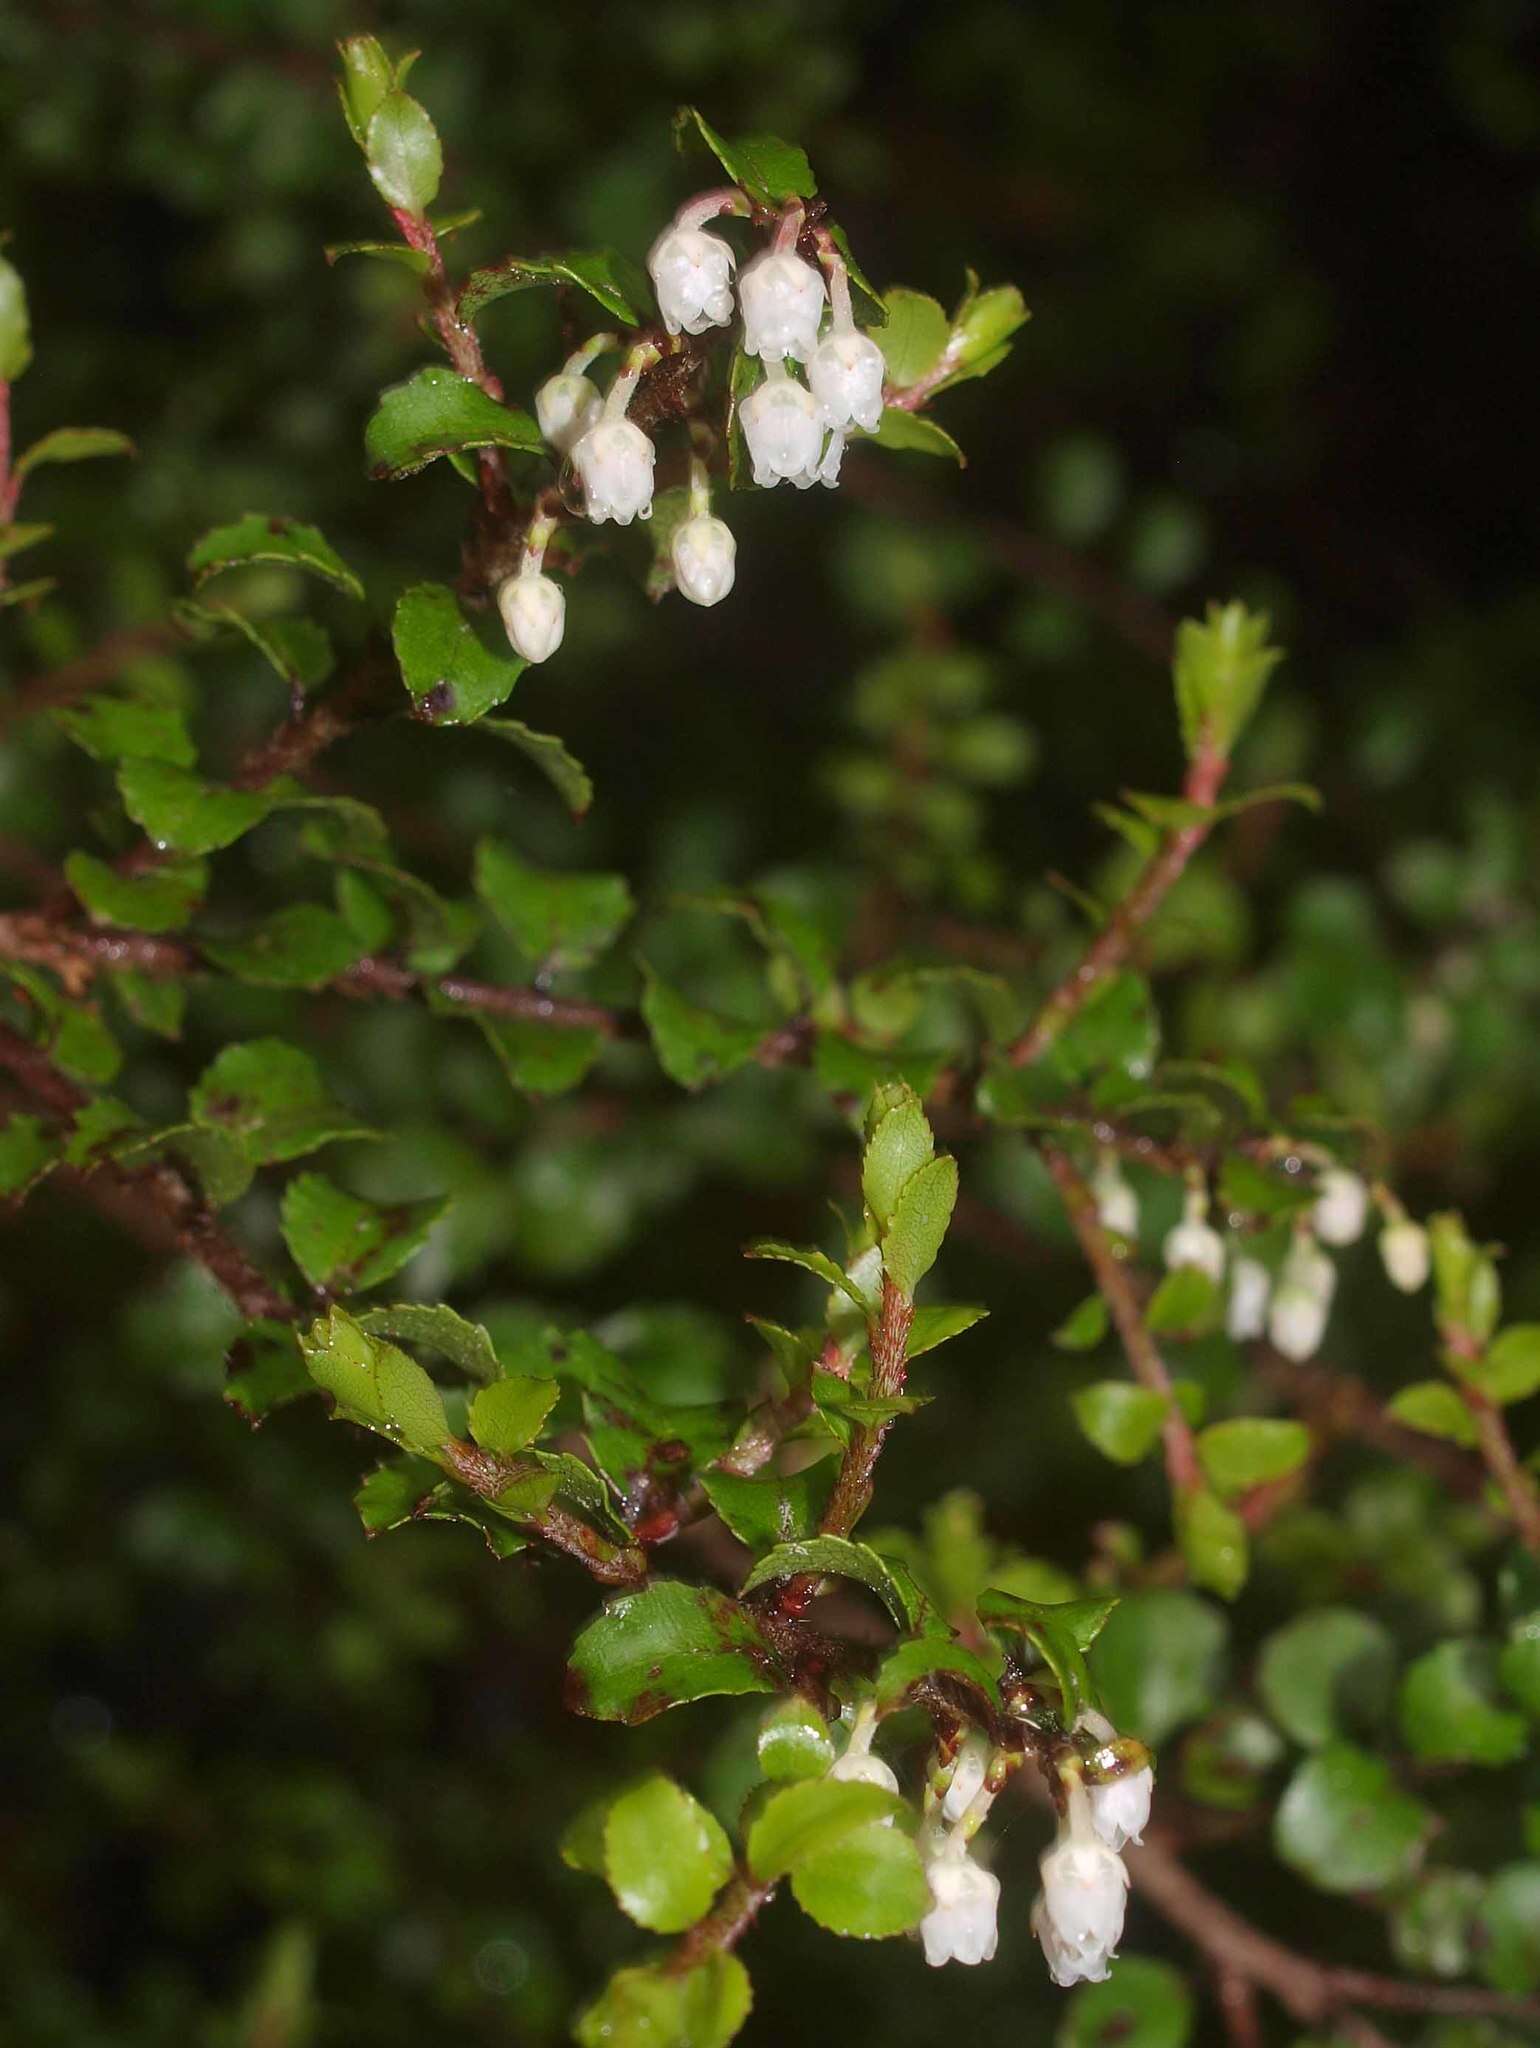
(1404,1251)
(566,406)
(782,426)
(846,373)
(1296,1319)
(1341,1207)
(962,1924)
(968,1775)
(1117,1206)
(692,274)
(782,300)
(614,461)
(1195,1241)
(704,553)
(534,612)
(1078,1915)
(1120,1809)
(1246,1310)
(861,1767)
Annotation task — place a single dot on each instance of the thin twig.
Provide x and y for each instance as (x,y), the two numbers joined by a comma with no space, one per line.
(1112,946)
(889,1344)
(1117,1289)
(1309,1992)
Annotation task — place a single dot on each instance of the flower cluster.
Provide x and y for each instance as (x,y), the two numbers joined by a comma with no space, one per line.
(1078,1913)
(1290,1307)
(795,431)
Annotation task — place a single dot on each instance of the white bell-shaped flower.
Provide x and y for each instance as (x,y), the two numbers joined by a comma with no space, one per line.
(1341,1207)
(784,430)
(614,462)
(1120,1809)
(861,1767)
(1078,1916)
(968,1775)
(1195,1241)
(1404,1252)
(692,274)
(962,1925)
(1301,1303)
(704,554)
(566,406)
(534,612)
(1117,1206)
(782,300)
(846,373)
(1246,1309)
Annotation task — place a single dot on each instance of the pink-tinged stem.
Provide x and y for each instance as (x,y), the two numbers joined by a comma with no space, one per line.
(710,206)
(463,347)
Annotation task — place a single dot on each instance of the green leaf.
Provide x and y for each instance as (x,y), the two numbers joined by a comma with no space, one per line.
(605,274)
(1434,1408)
(650,2006)
(560,921)
(436,1328)
(1220,668)
(566,774)
(270,1099)
(914,433)
(912,1661)
(1123,1421)
(265,1371)
(1187,1301)
(773,1507)
(811,1261)
(304,945)
(1083,1328)
(344,1245)
(899,1145)
(449,673)
(507,1414)
(1060,1631)
(17,535)
(386,252)
(1465,1282)
(71,1033)
(15,332)
(367,76)
(1327,1674)
(915,336)
(920,1218)
(73,444)
(1346,1826)
(1519,1663)
(27,1152)
(118,728)
(404,155)
(1140,2004)
(259,537)
(808,1820)
(1508,1930)
(768,169)
(1255,1190)
(981,330)
(869,1885)
(15,594)
(1430,1927)
(665,1856)
(693,1046)
(794,1742)
(374,1384)
(838,1557)
(161,899)
(933,1327)
(1250,1451)
(1510,1369)
(1449,1711)
(539,1059)
(669,1643)
(435,412)
(298,651)
(1214,1542)
(176,808)
(1159,1663)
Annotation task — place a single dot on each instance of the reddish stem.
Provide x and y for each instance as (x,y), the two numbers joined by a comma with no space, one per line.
(463,347)
(1111,947)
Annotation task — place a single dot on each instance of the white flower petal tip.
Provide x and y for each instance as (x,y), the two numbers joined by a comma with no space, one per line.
(846,372)
(782,300)
(614,462)
(692,274)
(962,1925)
(704,557)
(784,429)
(566,406)
(534,614)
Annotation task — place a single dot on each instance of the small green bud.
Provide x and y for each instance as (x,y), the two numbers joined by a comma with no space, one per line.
(1221,668)
(15,333)
(367,76)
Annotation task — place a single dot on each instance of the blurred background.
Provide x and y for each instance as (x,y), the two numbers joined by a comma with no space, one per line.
(281,1785)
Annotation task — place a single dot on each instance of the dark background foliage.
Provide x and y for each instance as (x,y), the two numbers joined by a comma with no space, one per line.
(1282,265)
